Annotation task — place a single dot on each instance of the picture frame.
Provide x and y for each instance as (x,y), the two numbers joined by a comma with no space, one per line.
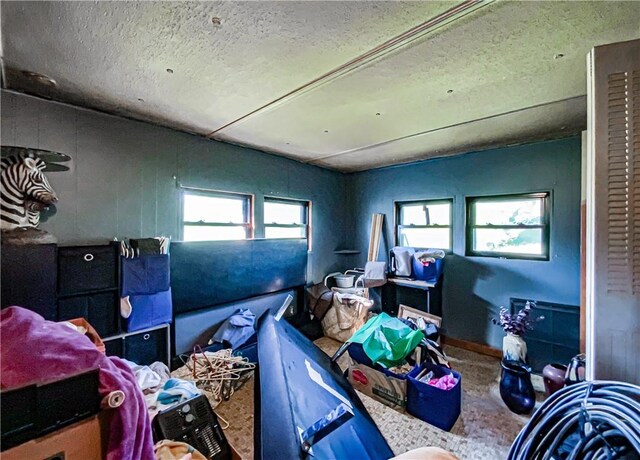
(406,312)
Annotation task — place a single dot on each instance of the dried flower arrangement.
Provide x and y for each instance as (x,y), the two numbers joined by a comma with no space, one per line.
(517,324)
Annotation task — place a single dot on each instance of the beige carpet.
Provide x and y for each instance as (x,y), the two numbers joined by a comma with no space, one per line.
(485,429)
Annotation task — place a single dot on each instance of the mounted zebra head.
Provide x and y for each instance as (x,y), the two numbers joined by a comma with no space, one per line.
(25,191)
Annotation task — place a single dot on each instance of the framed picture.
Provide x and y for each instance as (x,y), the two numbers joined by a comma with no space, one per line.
(411,313)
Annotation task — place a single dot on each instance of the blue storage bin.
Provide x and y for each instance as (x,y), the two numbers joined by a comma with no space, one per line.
(430,273)
(440,408)
(148,311)
(144,275)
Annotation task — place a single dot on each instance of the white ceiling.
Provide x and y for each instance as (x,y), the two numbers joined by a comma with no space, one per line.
(497,57)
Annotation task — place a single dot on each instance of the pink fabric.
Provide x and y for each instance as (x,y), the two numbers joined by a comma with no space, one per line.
(446,382)
(34,350)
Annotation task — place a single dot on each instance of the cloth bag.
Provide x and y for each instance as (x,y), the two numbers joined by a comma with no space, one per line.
(401,262)
(347,314)
(375,274)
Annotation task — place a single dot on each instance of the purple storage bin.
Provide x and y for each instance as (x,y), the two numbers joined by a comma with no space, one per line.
(440,408)
(430,273)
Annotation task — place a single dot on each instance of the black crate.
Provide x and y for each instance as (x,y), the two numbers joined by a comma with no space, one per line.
(87,268)
(32,411)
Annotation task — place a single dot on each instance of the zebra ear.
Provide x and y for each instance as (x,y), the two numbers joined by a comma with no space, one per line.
(30,163)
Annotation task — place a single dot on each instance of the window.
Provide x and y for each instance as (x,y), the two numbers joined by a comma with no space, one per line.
(208,216)
(424,224)
(284,218)
(510,226)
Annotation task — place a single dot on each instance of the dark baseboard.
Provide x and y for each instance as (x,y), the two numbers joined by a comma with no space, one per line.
(472,346)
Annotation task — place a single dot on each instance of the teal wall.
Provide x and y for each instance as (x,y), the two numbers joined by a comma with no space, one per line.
(121,183)
(475,287)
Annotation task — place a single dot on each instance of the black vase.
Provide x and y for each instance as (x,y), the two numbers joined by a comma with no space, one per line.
(516,388)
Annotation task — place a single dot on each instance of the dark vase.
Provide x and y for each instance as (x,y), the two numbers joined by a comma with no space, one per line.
(553,376)
(516,388)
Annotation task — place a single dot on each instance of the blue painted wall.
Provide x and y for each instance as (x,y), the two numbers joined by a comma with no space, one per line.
(121,183)
(475,287)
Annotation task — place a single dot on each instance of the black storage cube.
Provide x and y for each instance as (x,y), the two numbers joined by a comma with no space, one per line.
(100,310)
(19,416)
(29,278)
(114,347)
(147,347)
(66,401)
(87,268)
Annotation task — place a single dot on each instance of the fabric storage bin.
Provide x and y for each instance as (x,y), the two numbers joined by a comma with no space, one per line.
(114,347)
(87,268)
(100,310)
(146,347)
(146,274)
(440,408)
(148,311)
(430,273)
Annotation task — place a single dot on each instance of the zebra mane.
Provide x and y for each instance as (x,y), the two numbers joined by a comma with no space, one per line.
(17,158)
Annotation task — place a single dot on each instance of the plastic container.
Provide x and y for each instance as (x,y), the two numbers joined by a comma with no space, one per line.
(440,408)
(344,281)
(430,272)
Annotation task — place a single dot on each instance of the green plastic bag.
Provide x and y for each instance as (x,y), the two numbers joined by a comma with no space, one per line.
(387,340)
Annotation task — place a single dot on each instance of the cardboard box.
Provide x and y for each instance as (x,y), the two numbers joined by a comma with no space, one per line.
(84,440)
(387,389)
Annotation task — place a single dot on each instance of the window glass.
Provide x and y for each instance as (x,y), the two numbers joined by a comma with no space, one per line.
(514,226)
(426,214)
(286,218)
(285,232)
(424,224)
(425,237)
(278,212)
(202,208)
(208,216)
(509,212)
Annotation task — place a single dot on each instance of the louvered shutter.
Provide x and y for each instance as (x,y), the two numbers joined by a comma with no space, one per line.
(613,213)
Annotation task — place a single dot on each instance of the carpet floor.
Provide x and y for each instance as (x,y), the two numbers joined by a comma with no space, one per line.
(485,429)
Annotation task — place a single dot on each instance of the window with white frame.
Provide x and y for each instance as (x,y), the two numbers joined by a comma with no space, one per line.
(424,224)
(285,218)
(509,226)
(209,215)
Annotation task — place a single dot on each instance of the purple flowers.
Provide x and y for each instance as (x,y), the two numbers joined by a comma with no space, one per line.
(517,324)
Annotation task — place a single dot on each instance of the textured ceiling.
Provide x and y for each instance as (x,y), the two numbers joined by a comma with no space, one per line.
(497,57)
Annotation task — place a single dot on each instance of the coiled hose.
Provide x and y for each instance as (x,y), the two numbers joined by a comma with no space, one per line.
(586,421)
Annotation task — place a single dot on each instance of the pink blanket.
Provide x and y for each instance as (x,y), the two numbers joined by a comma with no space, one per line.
(34,350)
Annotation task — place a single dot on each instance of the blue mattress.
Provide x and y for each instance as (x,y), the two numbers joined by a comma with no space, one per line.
(297,385)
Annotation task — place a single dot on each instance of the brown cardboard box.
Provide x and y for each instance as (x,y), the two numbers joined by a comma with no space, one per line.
(386,389)
(84,440)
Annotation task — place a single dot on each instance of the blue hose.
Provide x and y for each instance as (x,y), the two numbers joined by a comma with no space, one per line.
(597,420)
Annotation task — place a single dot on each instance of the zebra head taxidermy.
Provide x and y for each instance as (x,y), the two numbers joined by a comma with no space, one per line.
(26,191)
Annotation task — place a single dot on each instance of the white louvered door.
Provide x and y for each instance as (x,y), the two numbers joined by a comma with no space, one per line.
(613,213)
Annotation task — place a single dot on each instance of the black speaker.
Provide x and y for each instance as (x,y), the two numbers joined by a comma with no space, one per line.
(194,423)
